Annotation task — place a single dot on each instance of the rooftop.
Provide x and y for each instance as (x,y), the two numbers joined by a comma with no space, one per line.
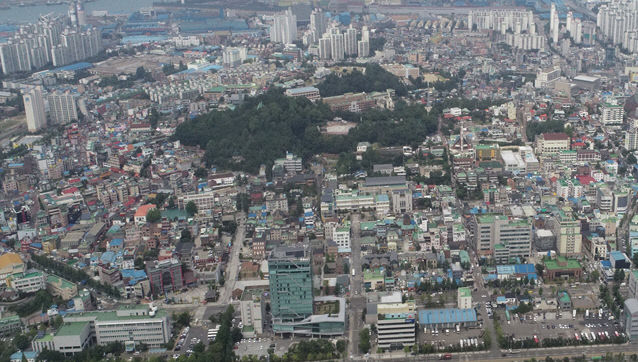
(71,329)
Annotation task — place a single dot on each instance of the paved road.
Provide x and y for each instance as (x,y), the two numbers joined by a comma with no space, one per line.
(357,300)
(232,268)
(538,353)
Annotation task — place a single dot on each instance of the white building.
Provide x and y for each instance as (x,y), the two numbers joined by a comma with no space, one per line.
(140,323)
(464,298)
(341,236)
(30,282)
(34,109)
(363,49)
(351,42)
(284,28)
(338,50)
(62,107)
(612,112)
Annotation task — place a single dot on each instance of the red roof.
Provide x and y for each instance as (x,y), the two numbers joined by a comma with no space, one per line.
(585,179)
(559,136)
(70,190)
(143,210)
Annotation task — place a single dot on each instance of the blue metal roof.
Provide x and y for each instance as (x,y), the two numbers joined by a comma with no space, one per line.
(447,315)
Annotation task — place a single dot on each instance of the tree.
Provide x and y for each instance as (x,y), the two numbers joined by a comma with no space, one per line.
(139,263)
(631,159)
(186,236)
(21,342)
(57,322)
(191,208)
(540,291)
(364,340)
(236,335)
(341,346)
(153,215)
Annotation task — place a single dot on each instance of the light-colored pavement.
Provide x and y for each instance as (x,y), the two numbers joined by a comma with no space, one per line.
(357,300)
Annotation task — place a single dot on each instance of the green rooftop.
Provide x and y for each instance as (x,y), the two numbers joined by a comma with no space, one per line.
(71,329)
(465,292)
(562,263)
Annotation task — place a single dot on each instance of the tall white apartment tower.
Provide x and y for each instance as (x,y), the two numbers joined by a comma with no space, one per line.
(284,28)
(338,46)
(34,109)
(554,23)
(62,107)
(318,22)
(351,41)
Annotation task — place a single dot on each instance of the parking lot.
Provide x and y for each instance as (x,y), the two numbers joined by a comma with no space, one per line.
(548,325)
(253,346)
(447,337)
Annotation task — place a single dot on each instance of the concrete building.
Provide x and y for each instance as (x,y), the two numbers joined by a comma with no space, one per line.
(140,323)
(396,330)
(341,236)
(551,143)
(501,237)
(253,309)
(61,287)
(290,276)
(63,107)
(312,93)
(29,282)
(464,298)
(612,113)
(284,28)
(351,42)
(631,318)
(165,276)
(34,110)
(10,326)
(632,284)
(566,229)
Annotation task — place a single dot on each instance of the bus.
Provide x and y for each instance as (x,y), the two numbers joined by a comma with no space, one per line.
(507,315)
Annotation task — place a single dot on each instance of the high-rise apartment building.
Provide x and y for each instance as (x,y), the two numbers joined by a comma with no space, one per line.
(48,41)
(325,48)
(318,22)
(351,42)
(63,107)
(34,109)
(284,28)
(363,49)
(338,49)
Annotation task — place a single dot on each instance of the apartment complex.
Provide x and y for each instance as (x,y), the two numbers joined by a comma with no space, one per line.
(62,107)
(502,237)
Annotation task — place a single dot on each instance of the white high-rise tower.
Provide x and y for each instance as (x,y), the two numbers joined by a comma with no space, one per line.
(284,28)
(34,109)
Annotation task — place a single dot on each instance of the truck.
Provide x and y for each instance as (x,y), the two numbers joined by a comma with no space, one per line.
(353,272)
(587,314)
(573,313)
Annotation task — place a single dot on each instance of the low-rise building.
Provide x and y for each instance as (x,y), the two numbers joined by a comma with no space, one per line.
(10,326)
(30,282)
(61,287)
(140,323)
